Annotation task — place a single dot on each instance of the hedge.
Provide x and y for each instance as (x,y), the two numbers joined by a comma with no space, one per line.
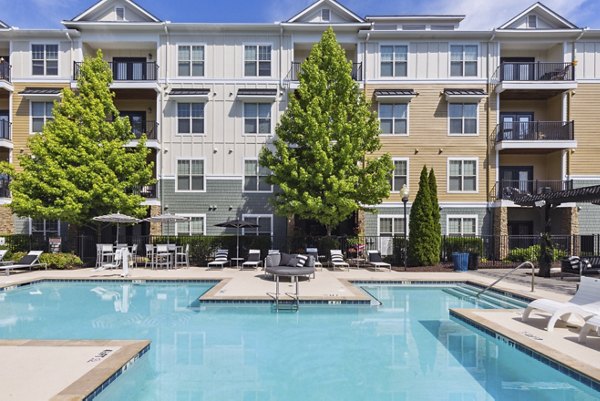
(532,254)
(58,261)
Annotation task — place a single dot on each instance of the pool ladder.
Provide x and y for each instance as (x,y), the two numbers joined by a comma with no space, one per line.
(509,273)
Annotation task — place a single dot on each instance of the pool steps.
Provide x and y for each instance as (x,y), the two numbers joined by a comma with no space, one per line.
(492,300)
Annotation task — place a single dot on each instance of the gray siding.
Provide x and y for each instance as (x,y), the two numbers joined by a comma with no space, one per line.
(589,214)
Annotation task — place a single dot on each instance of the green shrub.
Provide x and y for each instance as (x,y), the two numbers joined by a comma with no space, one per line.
(462,244)
(532,254)
(61,261)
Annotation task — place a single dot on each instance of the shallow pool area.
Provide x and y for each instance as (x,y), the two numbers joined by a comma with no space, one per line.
(406,349)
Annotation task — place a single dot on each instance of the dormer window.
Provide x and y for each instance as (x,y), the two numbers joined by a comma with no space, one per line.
(532,21)
(325,14)
(120,12)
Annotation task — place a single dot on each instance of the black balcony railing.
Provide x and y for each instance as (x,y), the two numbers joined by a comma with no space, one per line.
(536,71)
(127,70)
(5,129)
(535,131)
(508,189)
(294,72)
(4,182)
(5,71)
(146,191)
(150,128)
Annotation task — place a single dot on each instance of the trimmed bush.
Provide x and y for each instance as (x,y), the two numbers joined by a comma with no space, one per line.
(435,216)
(422,244)
(61,261)
(532,254)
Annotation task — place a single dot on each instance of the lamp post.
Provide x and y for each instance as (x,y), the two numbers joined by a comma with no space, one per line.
(404,194)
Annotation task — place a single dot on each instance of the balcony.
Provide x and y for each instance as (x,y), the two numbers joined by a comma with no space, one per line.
(294,72)
(4,183)
(535,135)
(136,71)
(5,71)
(146,191)
(507,189)
(150,128)
(550,77)
(5,130)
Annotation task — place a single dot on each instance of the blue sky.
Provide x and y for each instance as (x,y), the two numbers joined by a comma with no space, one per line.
(481,14)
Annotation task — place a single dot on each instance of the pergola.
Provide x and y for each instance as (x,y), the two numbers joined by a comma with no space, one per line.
(585,195)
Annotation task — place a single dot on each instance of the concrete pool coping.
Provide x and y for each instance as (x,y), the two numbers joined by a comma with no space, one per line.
(331,287)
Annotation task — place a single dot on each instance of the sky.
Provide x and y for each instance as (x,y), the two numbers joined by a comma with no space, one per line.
(481,14)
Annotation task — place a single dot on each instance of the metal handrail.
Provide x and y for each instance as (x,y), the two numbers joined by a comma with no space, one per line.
(507,274)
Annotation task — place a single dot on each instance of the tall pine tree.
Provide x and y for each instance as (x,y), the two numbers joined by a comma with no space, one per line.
(78,167)
(435,216)
(322,159)
(421,242)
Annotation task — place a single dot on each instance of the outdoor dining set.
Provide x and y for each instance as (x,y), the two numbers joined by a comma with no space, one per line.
(159,256)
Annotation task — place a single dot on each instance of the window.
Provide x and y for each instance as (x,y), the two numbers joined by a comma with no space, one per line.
(255,177)
(462,225)
(462,175)
(120,12)
(390,226)
(46,228)
(532,21)
(264,221)
(463,60)
(393,118)
(190,61)
(257,118)
(190,118)
(190,175)
(257,61)
(194,226)
(400,175)
(44,59)
(325,14)
(463,118)
(394,61)
(41,113)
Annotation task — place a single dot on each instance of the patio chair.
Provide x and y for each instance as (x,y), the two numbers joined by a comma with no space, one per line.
(32,259)
(116,262)
(585,304)
(337,260)
(315,253)
(374,259)
(107,254)
(162,256)
(253,259)
(182,256)
(221,258)
(149,256)
(134,261)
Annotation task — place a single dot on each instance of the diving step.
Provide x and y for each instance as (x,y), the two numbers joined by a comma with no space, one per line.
(496,296)
(480,303)
(495,300)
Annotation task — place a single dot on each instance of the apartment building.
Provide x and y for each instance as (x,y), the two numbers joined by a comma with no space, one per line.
(508,110)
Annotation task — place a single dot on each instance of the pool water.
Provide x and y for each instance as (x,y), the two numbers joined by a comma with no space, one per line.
(406,349)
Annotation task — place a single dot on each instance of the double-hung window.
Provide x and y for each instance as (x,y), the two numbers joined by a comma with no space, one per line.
(44,59)
(190,175)
(190,118)
(264,222)
(390,226)
(257,118)
(255,177)
(462,175)
(400,174)
(463,60)
(194,226)
(462,118)
(190,60)
(41,113)
(394,61)
(462,225)
(44,227)
(257,60)
(393,118)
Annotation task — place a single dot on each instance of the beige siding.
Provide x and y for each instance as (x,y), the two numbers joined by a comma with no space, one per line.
(584,110)
(543,110)
(545,166)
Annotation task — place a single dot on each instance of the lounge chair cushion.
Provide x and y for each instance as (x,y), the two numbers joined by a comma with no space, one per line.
(375,258)
(285,260)
(301,260)
(253,257)
(27,260)
(273,259)
(292,262)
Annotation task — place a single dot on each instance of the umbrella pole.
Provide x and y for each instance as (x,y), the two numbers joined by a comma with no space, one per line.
(237,244)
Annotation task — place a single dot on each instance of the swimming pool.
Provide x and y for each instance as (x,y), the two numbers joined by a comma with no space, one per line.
(406,349)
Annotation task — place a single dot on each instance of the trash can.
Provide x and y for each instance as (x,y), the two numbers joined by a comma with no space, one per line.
(473,261)
(461,261)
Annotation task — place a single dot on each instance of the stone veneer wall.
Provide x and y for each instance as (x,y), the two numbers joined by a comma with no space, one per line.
(155,228)
(501,231)
(7,223)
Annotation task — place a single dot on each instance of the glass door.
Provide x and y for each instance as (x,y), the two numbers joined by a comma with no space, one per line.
(516,126)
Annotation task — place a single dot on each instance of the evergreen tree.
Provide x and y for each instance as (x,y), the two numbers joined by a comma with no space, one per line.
(421,242)
(435,216)
(322,159)
(78,167)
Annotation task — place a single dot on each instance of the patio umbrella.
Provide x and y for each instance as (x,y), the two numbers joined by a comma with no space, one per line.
(166,218)
(237,224)
(117,218)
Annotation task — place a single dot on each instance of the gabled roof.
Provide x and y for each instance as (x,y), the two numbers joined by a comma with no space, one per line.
(103,3)
(548,14)
(329,3)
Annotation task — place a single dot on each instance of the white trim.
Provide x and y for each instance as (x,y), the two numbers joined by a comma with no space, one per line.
(462,217)
(58,64)
(31,132)
(441,81)
(176,174)
(223,177)
(532,85)
(330,3)
(463,119)
(190,134)
(532,8)
(478,72)
(393,125)
(539,144)
(407,160)
(392,216)
(271,119)
(203,215)
(254,215)
(584,177)
(449,159)
(102,2)
(190,44)
(394,44)
(257,177)
(271,61)
(45,232)
(117,14)
(443,205)
(41,97)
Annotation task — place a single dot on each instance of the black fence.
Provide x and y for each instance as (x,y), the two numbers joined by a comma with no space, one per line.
(534,71)
(127,70)
(535,131)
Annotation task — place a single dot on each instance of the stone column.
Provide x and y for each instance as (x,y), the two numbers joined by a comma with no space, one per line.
(566,222)
(501,232)
(155,228)
(7,223)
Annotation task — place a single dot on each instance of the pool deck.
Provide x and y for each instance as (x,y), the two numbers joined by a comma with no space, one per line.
(72,379)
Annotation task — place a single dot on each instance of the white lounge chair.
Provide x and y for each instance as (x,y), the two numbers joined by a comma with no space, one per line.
(337,260)
(592,323)
(585,303)
(32,259)
(375,260)
(221,259)
(253,259)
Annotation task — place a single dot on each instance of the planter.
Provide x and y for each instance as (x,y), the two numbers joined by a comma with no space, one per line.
(474,261)
(461,261)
